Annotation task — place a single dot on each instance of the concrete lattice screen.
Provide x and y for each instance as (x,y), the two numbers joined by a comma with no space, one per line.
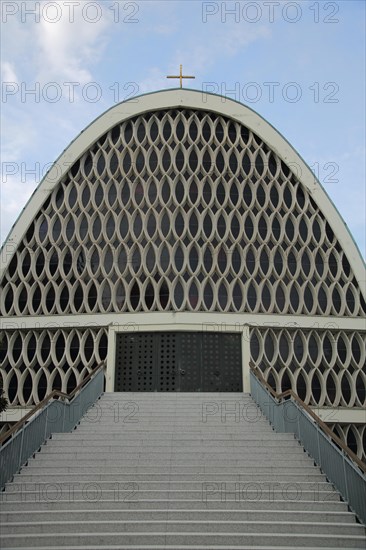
(180,210)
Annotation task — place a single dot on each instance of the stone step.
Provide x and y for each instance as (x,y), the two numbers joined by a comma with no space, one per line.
(209,410)
(181,515)
(204,409)
(170,433)
(151,400)
(210,406)
(224,430)
(180,526)
(245,414)
(134,493)
(76,437)
(171,444)
(164,427)
(35,466)
(168,397)
(208,444)
(211,455)
(261,424)
(236,453)
(173,418)
(211,540)
(165,477)
(168,441)
(145,401)
(185,547)
(222,487)
(176,504)
(163,397)
(164,462)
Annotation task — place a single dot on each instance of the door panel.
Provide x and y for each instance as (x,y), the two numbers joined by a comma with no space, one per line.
(135,362)
(190,370)
(211,367)
(166,364)
(231,363)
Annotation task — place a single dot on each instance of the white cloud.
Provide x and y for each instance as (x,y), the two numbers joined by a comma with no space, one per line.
(8,73)
(67,49)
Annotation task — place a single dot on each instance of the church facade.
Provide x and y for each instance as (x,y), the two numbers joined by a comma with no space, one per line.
(178,238)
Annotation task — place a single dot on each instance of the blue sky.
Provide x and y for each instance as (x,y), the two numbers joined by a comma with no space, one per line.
(298,64)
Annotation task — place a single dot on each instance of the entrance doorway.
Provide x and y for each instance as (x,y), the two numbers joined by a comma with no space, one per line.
(178,361)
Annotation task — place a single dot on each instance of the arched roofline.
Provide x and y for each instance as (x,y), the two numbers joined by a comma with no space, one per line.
(190,99)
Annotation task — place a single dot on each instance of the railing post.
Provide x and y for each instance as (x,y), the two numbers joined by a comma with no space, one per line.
(256,390)
(63,416)
(284,430)
(345,475)
(319,451)
(298,422)
(270,410)
(46,423)
(20,450)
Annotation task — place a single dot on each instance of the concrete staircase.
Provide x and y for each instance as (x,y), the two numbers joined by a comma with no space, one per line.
(174,471)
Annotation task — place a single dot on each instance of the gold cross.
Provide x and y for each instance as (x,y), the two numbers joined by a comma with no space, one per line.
(181,76)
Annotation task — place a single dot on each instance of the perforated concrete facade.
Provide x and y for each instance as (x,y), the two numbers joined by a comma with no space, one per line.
(185,203)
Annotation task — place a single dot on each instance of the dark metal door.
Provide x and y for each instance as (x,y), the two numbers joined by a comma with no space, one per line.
(178,361)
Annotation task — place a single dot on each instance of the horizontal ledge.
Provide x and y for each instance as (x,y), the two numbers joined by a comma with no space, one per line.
(203,321)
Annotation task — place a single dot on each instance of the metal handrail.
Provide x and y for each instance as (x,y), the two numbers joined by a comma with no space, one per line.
(290,393)
(55,393)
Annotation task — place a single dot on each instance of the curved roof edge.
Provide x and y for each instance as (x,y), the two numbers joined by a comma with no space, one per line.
(190,99)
